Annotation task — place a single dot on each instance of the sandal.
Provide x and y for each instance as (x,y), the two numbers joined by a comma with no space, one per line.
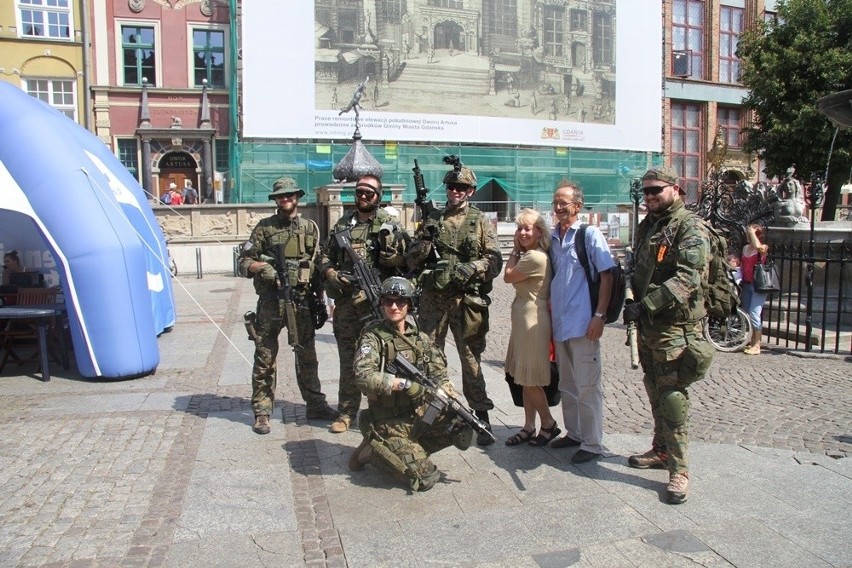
(521,437)
(541,439)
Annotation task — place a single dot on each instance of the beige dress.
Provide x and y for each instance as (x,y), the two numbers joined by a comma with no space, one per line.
(528,357)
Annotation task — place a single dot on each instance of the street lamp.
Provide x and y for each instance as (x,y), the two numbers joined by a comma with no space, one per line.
(814,194)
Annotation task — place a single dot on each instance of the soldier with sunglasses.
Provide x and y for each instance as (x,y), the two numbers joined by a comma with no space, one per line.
(376,237)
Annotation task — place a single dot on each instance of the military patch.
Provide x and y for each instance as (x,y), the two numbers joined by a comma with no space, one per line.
(366,349)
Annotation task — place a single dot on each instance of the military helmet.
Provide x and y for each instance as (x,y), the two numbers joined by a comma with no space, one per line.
(285,186)
(459,175)
(398,287)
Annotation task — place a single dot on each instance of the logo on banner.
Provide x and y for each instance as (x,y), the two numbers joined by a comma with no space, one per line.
(548,133)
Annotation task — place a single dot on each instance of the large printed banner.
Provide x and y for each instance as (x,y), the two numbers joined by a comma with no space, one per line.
(576,73)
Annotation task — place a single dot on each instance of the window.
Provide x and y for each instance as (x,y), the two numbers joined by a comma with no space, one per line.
(223,155)
(208,54)
(553,30)
(688,33)
(45,18)
(58,93)
(389,11)
(347,24)
(457,4)
(503,17)
(729,120)
(128,155)
(139,55)
(602,39)
(730,28)
(579,20)
(686,147)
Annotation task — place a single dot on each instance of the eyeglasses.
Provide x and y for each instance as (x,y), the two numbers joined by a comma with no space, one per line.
(654,189)
(368,192)
(561,204)
(399,302)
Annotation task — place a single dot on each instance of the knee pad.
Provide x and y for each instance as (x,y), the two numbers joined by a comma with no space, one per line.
(404,461)
(674,405)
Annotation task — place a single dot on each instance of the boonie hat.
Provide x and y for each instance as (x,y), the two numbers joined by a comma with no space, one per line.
(285,186)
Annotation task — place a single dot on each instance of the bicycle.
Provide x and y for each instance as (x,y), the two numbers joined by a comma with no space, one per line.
(730,334)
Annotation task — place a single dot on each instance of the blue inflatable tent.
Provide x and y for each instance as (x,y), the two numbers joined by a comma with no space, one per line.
(73,212)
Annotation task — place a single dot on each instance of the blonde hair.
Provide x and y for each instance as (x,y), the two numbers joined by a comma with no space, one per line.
(532,217)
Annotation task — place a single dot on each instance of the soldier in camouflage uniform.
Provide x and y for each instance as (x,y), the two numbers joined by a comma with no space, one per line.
(377,238)
(396,439)
(671,258)
(457,250)
(299,246)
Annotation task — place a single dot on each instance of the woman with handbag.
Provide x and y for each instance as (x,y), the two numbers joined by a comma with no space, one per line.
(527,358)
(754,253)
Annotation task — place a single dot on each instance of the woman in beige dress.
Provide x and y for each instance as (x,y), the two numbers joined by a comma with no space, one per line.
(528,356)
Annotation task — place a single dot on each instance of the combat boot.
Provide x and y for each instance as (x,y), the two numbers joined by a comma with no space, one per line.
(261,424)
(361,456)
(324,412)
(677,488)
(340,425)
(652,459)
(483,439)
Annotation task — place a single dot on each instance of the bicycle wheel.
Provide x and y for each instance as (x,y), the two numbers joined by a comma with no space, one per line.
(729,334)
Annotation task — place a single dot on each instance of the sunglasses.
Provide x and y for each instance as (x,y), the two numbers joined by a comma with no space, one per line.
(654,189)
(368,193)
(399,302)
(458,188)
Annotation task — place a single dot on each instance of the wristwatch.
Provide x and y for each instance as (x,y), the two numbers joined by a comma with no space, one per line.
(600,315)
(406,385)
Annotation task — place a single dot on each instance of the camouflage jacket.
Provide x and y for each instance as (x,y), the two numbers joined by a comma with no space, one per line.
(378,344)
(296,240)
(463,235)
(670,258)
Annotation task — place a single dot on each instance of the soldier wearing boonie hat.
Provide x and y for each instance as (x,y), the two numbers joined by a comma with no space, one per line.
(285,186)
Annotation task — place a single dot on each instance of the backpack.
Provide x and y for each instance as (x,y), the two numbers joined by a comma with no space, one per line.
(166,199)
(619,280)
(191,197)
(720,293)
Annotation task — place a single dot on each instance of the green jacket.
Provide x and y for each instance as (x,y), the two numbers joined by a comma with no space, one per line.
(671,256)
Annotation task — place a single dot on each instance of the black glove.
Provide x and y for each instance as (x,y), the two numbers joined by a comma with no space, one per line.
(633,311)
(429,233)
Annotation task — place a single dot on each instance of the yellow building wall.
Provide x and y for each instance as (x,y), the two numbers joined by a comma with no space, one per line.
(23,58)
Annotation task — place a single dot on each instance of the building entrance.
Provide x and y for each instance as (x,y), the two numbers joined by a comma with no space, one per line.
(179,168)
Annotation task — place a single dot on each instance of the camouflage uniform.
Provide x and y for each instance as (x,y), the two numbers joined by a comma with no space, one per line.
(670,260)
(300,240)
(401,443)
(351,308)
(451,300)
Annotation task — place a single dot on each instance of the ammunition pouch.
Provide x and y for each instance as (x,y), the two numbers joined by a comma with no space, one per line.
(475,310)
(437,277)
(695,362)
(319,311)
(250,318)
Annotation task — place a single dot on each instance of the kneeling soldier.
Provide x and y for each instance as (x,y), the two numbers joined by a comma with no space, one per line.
(397,438)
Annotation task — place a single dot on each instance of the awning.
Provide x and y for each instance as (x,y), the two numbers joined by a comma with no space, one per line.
(319,30)
(325,55)
(505,68)
(351,57)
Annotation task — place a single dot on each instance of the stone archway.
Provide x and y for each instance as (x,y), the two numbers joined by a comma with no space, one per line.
(449,34)
(178,167)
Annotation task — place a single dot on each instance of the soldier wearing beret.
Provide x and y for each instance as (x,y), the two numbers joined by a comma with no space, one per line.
(670,260)
(296,242)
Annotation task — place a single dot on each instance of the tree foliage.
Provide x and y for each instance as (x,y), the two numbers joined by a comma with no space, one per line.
(788,66)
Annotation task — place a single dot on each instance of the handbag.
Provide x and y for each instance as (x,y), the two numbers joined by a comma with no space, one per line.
(551,391)
(766,279)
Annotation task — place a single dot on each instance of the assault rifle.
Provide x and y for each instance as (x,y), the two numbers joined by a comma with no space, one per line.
(425,207)
(365,278)
(441,400)
(632,330)
(285,293)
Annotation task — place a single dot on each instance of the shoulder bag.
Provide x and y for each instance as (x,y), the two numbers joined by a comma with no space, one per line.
(766,279)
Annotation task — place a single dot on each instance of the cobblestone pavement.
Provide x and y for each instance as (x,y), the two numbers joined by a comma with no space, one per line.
(107,473)
(777,400)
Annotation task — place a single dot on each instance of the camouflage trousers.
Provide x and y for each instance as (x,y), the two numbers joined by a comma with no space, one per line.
(347,326)
(668,357)
(440,312)
(402,446)
(264,373)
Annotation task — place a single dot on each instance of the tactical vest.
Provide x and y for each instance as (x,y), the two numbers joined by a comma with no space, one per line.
(299,245)
(364,241)
(411,347)
(462,245)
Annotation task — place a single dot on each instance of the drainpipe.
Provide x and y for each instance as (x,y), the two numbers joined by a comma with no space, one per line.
(84,36)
